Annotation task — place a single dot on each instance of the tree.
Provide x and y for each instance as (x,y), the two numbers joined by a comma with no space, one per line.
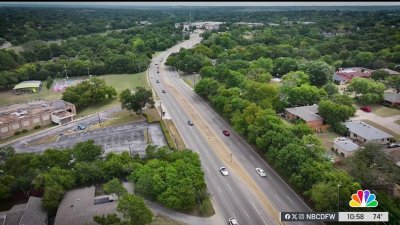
(369,91)
(6,183)
(110,219)
(284,65)
(331,88)
(114,186)
(134,209)
(394,82)
(207,87)
(305,95)
(87,151)
(136,101)
(6,152)
(52,196)
(379,75)
(334,113)
(319,71)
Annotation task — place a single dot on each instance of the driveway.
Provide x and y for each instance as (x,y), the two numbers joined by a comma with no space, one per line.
(387,122)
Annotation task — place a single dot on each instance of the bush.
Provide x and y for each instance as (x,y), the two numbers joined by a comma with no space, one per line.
(24,131)
(339,128)
(37,127)
(17,132)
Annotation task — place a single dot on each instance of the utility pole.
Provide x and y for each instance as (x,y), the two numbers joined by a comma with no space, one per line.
(98,116)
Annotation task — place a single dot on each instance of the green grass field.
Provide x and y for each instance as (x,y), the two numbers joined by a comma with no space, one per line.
(124,81)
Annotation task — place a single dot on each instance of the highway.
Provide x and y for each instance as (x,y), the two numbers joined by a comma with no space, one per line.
(243,194)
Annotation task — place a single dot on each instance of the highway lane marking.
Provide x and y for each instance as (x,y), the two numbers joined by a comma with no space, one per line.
(289,199)
(229,186)
(251,202)
(246,213)
(277,198)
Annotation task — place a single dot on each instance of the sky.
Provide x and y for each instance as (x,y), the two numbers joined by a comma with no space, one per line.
(329,3)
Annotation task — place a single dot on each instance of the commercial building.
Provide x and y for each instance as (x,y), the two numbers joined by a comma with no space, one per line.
(308,114)
(362,132)
(27,116)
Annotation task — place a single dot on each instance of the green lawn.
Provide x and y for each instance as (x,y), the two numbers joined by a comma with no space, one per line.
(124,81)
(381,110)
(162,220)
(327,138)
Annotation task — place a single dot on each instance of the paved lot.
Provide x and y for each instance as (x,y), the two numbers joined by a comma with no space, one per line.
(127,137)
(387,122)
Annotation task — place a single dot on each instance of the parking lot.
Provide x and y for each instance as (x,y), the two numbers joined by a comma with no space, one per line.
(128,137)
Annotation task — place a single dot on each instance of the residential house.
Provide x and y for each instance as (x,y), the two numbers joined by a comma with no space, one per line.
(309,114)
(392,99)
(362,132)
(391,72)
(344,146)
(343,76)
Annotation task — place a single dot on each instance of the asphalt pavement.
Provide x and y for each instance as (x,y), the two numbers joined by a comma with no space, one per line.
(233,194)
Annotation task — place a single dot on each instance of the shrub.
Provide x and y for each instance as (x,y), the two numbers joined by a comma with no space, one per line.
(24,131)
(17,132)
(37,127)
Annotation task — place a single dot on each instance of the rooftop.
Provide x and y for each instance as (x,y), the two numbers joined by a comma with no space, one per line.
(353,72)
(366,131)
(307,113)
(34,213)
(346,144)
(28,84)
(392,97)
(391,72)
(11,113)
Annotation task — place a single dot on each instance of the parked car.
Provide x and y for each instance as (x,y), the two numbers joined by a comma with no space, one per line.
(81,127)
(157,81)
(163,91)
(190,123)
(233,221)
(366,108)
(226,133)
(223,171)
(261,172)
(158,71)
(392,145)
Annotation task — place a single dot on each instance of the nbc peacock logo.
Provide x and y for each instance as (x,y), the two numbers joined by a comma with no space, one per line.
(363,199)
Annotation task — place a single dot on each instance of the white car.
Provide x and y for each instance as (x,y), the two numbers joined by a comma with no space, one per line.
(261,172)
(233,221)
(223,171)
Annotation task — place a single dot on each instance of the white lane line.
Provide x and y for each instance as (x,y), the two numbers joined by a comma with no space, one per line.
(290,200)
(219,189)
(277,198)
(229,187)
(258,213)
(246,213)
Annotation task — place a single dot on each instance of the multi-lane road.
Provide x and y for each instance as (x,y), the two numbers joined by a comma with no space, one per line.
(243,193)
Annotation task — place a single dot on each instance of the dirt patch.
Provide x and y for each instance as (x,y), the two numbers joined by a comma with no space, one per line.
(44,140)
(152,115)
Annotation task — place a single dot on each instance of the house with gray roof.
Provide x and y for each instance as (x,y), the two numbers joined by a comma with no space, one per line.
(344,146)
(391,72)
(31,213)
(308,114)
(362,132)
(392,98)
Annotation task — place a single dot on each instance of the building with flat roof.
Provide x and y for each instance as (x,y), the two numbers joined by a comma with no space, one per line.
(31,86)
(392,99)
(362,132)
(308,114)
(344,146)
(26,116)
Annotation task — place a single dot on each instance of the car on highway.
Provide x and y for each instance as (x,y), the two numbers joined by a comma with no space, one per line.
(190,123)
(157,81)
(163,91)
(81,127)
(365,108)
(233,221)
(226,133)
(223,171)
(156,64)
(261,172)
(158,71)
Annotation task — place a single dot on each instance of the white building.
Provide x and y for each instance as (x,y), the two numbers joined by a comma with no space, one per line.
(344,146)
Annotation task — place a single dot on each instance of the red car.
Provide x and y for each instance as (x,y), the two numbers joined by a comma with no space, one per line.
(226,133)
(366,108)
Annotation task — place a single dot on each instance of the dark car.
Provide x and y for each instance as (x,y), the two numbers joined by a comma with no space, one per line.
(157,81)
(158,71)
(163,91)
(226,133)
(366,108)
(190,123)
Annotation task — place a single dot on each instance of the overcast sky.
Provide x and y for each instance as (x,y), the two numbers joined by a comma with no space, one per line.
(332,3)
